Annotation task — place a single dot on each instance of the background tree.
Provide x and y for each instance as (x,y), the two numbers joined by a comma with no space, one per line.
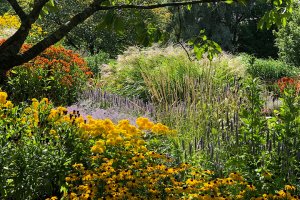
(287,39)
(233,27)
(147,33)
(85,36)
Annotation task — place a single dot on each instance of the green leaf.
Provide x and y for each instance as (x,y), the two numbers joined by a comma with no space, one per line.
(217,47)
(189,6)
(101,25)
(277,19)
(196,48)
(105,3)
(109,17)
(283,21)
(192,40)
(261,23)
(119,25)
(135,22)
(230,2)
(146,41)
(203,37)
(210,57)
(136,13)
(141,39)
(202,31)
(243,2)
(162,37)
(52,8)
(42,15)
(51,2)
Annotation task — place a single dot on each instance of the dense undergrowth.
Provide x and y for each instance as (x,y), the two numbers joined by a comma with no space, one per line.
(153,126)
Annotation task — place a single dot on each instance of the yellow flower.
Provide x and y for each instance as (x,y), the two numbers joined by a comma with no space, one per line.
(250,187)
(52,131)
(3,96)
(266,174)
(290,187)
(97,149)
(100,143)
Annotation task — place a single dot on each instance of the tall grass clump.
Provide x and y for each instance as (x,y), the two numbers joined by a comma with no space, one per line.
(270,69)
(126,77)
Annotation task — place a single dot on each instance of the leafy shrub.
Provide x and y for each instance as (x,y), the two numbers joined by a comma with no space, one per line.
(37,148)
(269,70)
(95,61)
(287,39)
(56,73)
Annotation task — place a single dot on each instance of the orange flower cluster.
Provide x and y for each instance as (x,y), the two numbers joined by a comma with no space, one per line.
(54,70)
(285,82)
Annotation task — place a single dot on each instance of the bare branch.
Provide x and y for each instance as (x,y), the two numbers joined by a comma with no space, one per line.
(20,12)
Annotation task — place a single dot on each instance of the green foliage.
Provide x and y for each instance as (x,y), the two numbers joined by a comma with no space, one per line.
(37,151)
(5,7)
(112,31)
(287,39)
(233,27)
(95,61)
(269,70)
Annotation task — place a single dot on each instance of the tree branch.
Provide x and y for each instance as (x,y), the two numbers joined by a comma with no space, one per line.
(14,43)
(99,7)
(7,62)
(10,58)
(18,9)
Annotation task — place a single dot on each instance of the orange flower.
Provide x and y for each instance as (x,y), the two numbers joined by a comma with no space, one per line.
(40,77)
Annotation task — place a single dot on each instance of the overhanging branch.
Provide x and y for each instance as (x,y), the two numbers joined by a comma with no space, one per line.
(149,7)
(20,12)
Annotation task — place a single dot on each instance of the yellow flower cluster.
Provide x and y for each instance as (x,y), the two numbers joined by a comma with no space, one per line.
(236,176)
(144,124)
(9,21)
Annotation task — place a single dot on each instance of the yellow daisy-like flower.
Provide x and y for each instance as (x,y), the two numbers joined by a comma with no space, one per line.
(250,187)
(266,174)
(3,96)
(290,187)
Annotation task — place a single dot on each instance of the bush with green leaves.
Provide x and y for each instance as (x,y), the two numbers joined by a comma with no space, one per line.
(269,69)
(287,39)
(38,146)
(95,61)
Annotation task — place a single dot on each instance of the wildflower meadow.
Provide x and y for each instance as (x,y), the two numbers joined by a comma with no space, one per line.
(152,124)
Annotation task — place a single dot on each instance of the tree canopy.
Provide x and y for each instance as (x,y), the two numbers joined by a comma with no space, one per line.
(112,19)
